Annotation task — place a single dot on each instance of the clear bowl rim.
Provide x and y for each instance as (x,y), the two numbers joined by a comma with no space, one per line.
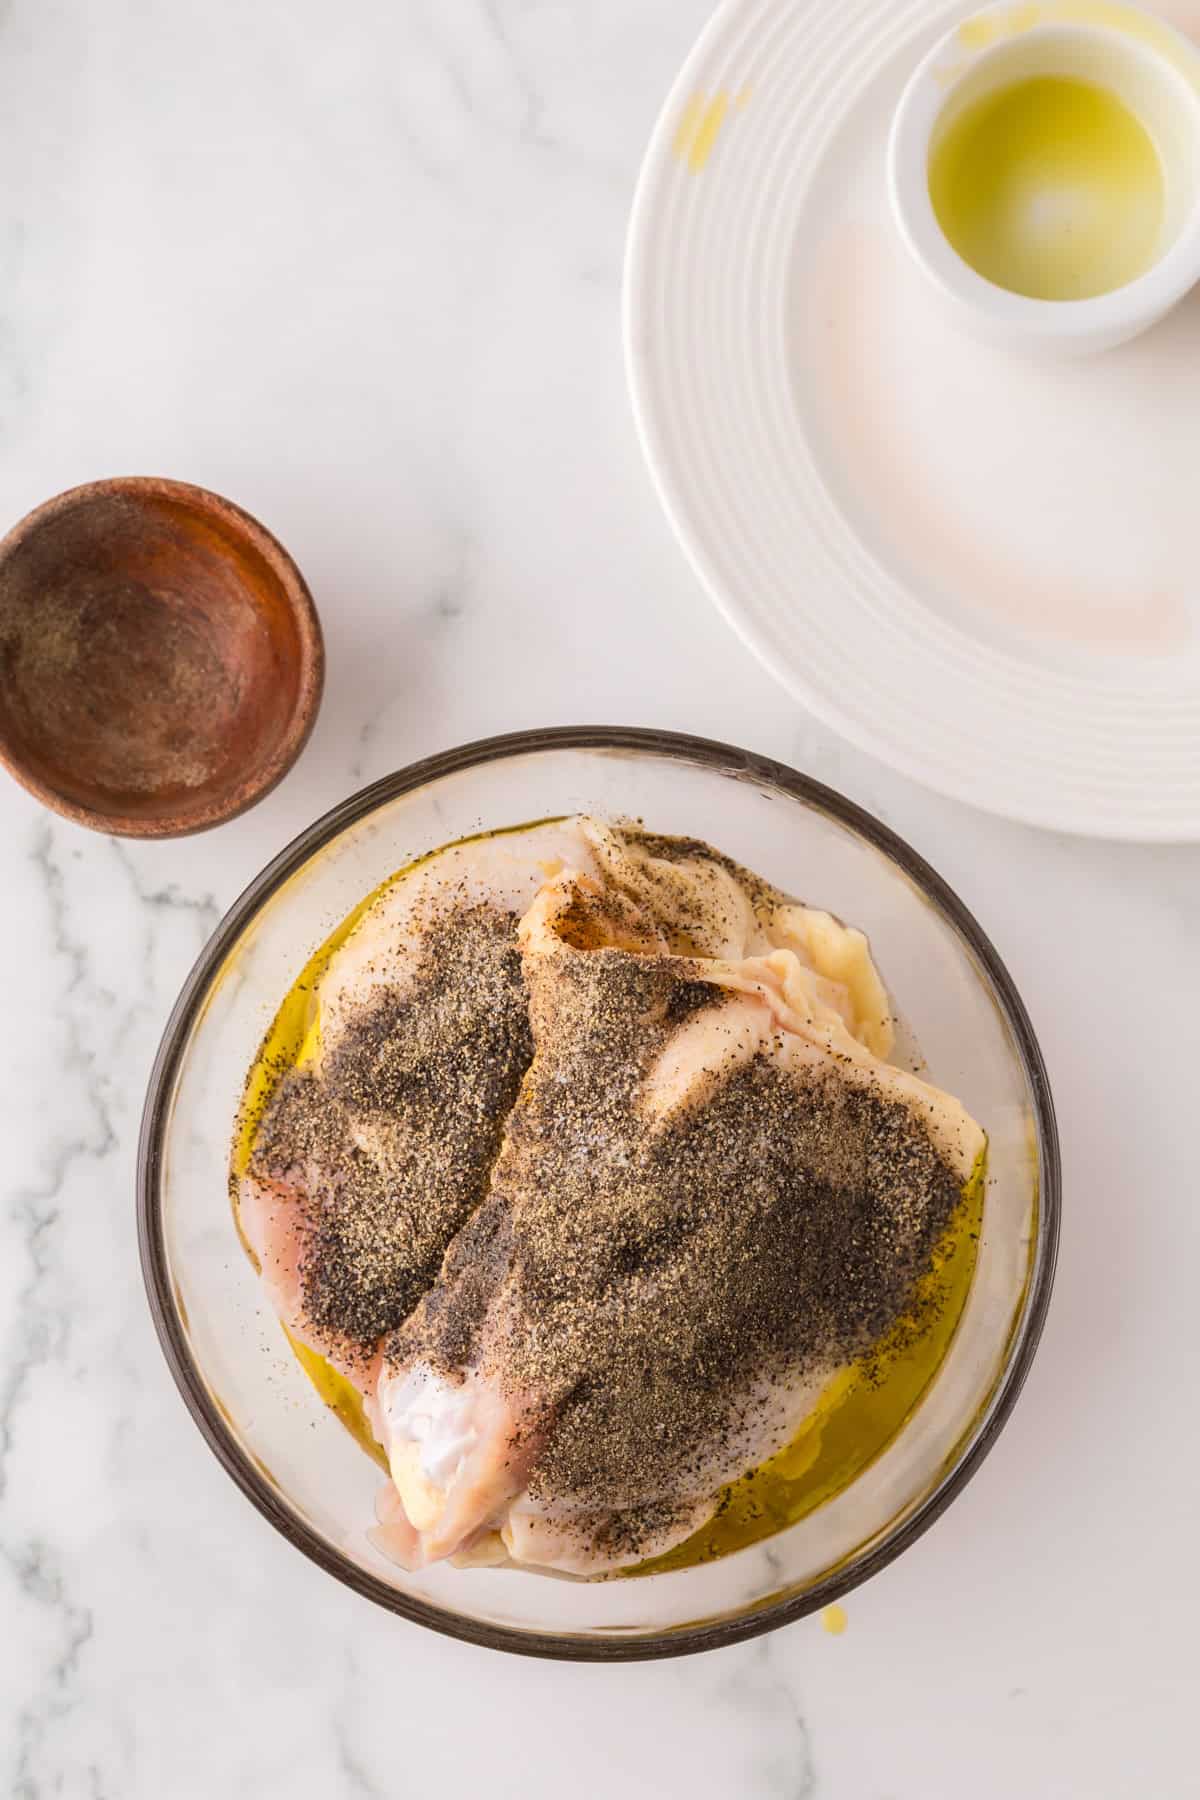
(737,764)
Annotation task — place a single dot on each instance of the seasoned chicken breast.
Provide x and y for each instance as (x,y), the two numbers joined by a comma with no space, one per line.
(711,1194)
(375,1149)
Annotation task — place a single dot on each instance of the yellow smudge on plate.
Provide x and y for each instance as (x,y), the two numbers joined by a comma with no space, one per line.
(979,34)
(833,1620)
(700,125)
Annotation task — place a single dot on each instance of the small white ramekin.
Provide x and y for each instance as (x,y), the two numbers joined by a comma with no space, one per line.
(1138,57)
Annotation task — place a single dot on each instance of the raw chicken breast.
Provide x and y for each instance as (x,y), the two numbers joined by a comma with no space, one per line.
(711,1194)
(373,1153)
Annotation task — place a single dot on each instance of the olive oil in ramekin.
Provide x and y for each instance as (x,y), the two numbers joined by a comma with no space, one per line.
(1050,187)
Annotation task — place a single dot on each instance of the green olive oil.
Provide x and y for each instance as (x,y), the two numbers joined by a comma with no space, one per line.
(1051,187)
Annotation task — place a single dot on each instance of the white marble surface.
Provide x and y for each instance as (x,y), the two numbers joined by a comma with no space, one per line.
(359,267)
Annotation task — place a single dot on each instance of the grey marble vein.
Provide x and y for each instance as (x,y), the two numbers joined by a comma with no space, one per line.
(40,1580)
(530,130)
(39,1331)
(781,1762)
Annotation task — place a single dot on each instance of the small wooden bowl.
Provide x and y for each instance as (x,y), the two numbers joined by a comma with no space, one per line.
(161,661)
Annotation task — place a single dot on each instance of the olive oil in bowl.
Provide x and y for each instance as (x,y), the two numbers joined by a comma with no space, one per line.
(1050,187)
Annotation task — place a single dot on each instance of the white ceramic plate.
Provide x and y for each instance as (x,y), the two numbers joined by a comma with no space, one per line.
(982,569)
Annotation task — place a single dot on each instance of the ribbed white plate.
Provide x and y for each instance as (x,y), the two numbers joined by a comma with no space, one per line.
(984,570)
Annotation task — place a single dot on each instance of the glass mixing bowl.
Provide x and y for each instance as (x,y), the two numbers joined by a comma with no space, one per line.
(248,1395)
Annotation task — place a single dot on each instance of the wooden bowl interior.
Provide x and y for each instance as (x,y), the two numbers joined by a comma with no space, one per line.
(151,658)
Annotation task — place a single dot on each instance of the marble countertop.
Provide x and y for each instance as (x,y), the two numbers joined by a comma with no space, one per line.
(358,267)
